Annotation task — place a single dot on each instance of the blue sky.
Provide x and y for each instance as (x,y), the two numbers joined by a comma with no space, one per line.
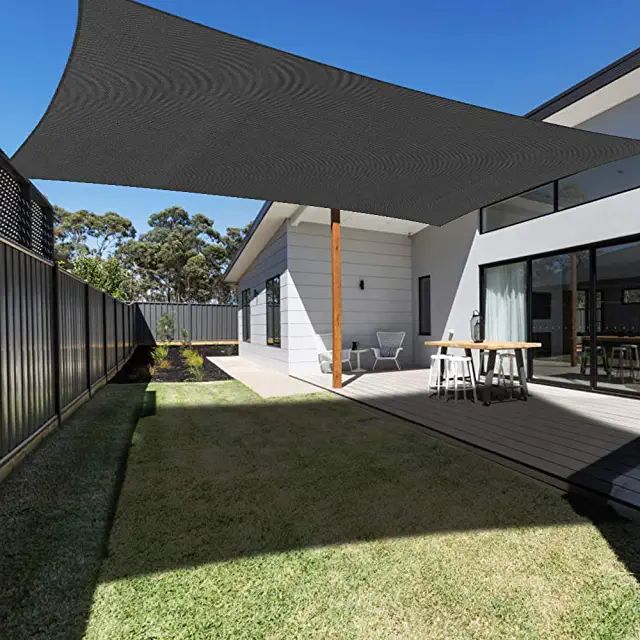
(504,54)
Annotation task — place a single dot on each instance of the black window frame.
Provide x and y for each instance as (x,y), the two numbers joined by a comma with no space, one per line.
(556,200)
(245,300)
(273,328)
(421,309)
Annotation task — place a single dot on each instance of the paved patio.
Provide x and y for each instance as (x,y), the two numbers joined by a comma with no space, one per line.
(569,438)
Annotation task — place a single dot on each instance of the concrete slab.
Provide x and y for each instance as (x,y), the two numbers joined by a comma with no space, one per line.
(266,382)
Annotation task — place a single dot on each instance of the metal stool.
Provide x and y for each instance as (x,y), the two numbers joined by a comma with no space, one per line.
(626,353)
(585,360)
(634,355)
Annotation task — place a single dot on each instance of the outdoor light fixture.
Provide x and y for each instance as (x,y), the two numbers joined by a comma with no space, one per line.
(362,284)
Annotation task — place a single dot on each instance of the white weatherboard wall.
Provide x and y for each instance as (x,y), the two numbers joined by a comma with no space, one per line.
(382,260)
(452,255)
(271,261)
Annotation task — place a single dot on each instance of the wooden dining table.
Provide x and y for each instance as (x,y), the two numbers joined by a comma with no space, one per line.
(519,348)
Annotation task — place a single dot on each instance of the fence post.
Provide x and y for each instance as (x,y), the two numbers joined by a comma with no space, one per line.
(115,330)
(191,322)
(55,342)
(104,335)
(87,337)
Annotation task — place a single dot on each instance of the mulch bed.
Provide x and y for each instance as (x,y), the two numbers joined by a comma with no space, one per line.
(138,367)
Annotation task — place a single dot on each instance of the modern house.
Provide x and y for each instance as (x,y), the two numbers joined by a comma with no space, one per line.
(559,264)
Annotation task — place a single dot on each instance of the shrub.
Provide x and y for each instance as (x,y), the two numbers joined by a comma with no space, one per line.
(195,373)
(186,339)
(192,358)
(165,328)
(160,353)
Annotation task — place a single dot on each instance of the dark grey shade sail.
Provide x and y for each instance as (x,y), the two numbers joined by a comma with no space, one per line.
(152,100)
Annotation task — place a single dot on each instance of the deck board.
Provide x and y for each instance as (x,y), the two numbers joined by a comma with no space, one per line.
(571,437)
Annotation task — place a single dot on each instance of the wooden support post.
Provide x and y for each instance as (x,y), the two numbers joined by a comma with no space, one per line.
(336,300)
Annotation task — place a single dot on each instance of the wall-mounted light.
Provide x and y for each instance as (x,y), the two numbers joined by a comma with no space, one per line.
(362,284)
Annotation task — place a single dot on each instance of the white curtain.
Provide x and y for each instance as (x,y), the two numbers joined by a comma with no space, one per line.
(505,303)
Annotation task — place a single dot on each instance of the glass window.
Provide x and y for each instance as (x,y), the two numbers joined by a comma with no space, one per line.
(424,304)
(273,311)
(599,182)
(246,315)
(505,303)
(562,323)
(532,204)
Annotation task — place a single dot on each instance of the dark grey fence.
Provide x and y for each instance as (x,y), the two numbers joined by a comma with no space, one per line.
(60,339)
(202,322)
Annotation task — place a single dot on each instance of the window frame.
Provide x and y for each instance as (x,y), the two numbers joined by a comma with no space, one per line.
(420,307)
(245,305)
(270,314)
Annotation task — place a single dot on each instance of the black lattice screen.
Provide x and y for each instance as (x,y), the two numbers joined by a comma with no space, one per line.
(26,218)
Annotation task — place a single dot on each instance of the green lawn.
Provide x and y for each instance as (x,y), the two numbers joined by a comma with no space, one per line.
(317,518)
(55,513)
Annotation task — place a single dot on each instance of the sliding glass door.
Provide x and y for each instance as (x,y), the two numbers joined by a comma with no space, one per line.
(583,306)
(618,334)
(560,317)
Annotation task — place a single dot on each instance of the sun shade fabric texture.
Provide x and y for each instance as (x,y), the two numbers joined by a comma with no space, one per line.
(152,100)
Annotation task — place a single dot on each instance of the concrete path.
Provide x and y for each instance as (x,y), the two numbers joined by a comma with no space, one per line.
(266,382)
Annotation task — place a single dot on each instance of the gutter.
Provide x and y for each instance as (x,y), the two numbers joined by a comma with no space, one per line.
(252,229)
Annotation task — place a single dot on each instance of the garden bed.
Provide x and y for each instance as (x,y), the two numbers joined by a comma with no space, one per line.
(141,367)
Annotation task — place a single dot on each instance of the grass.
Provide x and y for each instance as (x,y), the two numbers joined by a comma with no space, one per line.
(55,514)
(317,518)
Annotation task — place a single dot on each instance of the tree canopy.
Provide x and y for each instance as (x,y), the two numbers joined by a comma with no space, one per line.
(85,233)
(181,258)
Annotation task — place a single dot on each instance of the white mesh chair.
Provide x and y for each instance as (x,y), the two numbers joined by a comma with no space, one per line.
(390,346)
(325,353)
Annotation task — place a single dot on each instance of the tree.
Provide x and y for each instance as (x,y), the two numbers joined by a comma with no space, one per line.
(84,233)
(181,258)
(106,275)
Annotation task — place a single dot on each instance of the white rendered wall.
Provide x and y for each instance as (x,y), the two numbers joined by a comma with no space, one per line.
(271,261)
(382,260)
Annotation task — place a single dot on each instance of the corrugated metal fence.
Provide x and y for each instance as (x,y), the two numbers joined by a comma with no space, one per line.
(60,340)
(201,322)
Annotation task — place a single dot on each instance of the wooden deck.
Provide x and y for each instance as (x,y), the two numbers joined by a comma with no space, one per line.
(572,439)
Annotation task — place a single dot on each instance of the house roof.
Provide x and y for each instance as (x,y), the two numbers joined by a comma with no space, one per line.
(273,215)
(599,79)
(151,100)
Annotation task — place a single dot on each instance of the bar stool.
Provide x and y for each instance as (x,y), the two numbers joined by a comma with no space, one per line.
(585,359)
(634,355)
(438,365)
(510,357)
(460,367)
(624,353)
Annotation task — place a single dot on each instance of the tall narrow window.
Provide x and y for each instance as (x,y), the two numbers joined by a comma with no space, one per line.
(273,311)
(246,315)
(424,305)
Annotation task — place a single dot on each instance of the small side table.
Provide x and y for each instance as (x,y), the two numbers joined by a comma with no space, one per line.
(358,368)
